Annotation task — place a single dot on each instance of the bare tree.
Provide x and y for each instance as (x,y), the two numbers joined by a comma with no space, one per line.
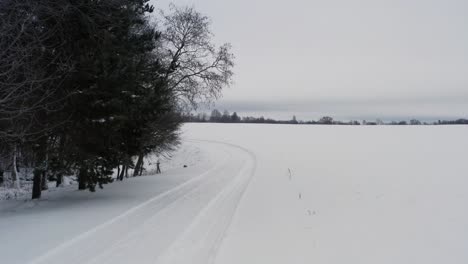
(197,70)
(25,56)
(31,70)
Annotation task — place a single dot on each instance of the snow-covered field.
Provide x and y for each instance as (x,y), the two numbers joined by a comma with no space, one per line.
(265,194)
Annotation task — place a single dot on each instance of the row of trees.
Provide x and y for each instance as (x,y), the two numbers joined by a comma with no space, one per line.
(225,117)
(88,86)
(452,122)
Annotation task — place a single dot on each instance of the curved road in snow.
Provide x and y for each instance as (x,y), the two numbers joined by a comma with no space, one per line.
(183,224)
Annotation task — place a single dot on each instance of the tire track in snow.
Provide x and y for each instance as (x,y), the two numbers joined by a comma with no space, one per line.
(134,236)
(48,256)
(201,240)
(146,223)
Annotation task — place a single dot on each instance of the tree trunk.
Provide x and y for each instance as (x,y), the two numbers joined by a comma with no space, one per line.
(40,167)
(118,172)
(122,173)
(14,169)
(61,162)
(142,167)
(44,179)
(126,171)
(1,176)
(59,179)
(82,178)
(6,179)
(138,166)
(36,191)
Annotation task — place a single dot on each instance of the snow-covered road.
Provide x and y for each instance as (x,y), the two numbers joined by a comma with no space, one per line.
(179,217)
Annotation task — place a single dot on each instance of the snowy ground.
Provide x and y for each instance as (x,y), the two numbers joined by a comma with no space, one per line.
(265,194)
(186,155)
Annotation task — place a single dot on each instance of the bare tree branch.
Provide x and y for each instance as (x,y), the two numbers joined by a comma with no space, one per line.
(196,71)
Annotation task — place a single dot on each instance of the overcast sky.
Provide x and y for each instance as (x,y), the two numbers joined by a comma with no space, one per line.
(362,58)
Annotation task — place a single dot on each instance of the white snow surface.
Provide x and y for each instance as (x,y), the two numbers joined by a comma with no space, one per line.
(264,194)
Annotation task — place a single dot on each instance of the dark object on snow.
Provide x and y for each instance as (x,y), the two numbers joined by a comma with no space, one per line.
(158,169)
(185,166)
(37,180)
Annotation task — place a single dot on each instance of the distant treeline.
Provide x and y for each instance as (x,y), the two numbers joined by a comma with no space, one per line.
(226,117)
